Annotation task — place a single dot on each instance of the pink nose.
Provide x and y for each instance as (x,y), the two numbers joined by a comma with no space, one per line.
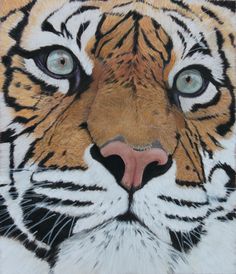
(135,161)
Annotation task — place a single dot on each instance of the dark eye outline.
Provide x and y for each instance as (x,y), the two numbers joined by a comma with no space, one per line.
(206,76)
(40,58)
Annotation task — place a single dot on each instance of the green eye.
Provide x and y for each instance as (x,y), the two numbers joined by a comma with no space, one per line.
(189,82)
(60,62)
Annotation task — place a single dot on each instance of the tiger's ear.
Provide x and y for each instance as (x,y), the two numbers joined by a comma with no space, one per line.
(7,6)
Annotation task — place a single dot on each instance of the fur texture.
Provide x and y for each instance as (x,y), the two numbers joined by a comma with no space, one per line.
(63,206)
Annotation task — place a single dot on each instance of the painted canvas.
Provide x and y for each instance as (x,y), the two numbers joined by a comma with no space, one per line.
(117,137)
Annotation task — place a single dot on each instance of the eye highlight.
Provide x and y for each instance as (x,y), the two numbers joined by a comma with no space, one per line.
(60,62)
(190,82)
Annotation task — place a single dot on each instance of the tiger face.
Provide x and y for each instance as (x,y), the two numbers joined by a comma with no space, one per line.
(118,134)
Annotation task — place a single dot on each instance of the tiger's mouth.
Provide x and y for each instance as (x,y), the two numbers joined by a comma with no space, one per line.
(116,166)
(128,217)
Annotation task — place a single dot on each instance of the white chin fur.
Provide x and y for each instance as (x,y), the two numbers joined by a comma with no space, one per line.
(117,248)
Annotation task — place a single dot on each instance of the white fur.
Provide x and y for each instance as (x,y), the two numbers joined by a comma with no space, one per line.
(126,249)
(15,259)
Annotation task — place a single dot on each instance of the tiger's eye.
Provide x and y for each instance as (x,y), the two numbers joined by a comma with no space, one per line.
(189,81)
(60,62)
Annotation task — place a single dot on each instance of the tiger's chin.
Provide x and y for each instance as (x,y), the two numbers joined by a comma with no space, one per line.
(121,246)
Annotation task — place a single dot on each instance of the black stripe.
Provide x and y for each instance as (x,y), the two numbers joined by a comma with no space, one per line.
(213,102)
(223,129)
(47,26)
(83,125)
(13,192)
(33,198)
(204,148)
(81,10)
(31,128)
(11,101)
(17,31)
(101,47)
(183,41)
(55,201)
(228,4)
(169,45)
(47,226)
(122,5)
(4,18)
(189,184)
(232,40)
(231,183)
(150,45)
(23,120)
(136,18)
(208,117)
(186,219)
(67,186)
(231,216)
(156,26)
(216,142)
(185,241)
(182,202)
(100,35)
(123,38)
(181,24)
(220,43)
(30,153)
(81,30)
(45,159)
(181,4)
(198,48)
(212,15)
(204,42)
(10,230)
(65,31)
(7,136)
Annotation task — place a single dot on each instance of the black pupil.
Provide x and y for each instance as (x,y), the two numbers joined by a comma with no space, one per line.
(188,79)
(62,61)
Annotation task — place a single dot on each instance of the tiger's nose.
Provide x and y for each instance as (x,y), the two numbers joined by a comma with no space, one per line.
(135,161)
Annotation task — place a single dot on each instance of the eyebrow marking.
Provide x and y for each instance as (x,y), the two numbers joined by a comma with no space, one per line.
(65,31)
(230,5)
(183,41)
(81,10)
(181,24)
(81,30)
(212,15)
(46,26)
(198,48)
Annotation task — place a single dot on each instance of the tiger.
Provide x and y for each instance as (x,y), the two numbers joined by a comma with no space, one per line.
(118,137)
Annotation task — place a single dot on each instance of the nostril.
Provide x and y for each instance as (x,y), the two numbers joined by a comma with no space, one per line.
(153,170)
(132,169)
(113,163)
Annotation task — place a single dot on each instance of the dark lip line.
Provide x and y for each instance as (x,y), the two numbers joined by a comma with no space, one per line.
(134,219)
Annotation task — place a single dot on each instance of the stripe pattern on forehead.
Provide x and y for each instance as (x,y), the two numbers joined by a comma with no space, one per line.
(63,31)
(139,31)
